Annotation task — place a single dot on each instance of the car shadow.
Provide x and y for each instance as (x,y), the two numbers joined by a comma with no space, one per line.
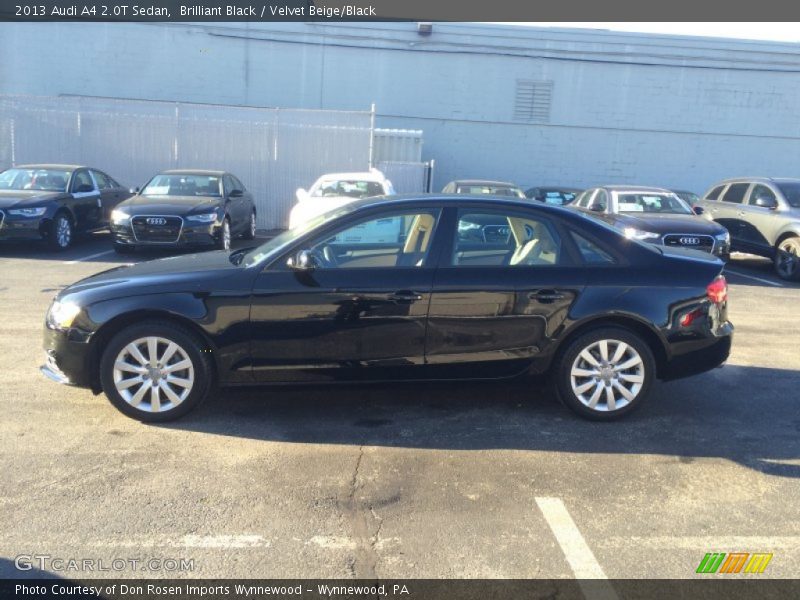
(744,414)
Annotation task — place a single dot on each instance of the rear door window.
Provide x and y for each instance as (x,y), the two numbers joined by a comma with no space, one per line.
(735,193)
(714,194)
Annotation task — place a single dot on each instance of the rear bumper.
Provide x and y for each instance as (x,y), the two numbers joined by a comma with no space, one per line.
(702,359)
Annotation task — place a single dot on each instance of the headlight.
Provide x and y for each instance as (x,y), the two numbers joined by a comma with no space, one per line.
(28,212)
(725,237)
(119,217)
(203,218)
(637,234)
(62,314)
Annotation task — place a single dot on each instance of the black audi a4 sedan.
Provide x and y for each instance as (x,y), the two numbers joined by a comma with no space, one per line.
(56,202)
(656,216)
(557,293)
(185,208)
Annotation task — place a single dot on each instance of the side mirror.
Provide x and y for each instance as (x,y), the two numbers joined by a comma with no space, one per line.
(698,210)
(302,261)
(597,208)
(301,194)
(236,194)
(766,202)
(134,190)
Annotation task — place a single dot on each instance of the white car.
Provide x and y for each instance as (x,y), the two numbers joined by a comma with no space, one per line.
(337,189)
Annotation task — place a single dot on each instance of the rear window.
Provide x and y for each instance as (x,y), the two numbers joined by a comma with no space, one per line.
(736,192)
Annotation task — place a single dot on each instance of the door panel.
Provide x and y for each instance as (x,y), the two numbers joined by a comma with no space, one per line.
(490,319)
(361,313)
(86,205)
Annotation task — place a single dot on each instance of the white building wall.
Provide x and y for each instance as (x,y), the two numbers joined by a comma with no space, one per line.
(660,110)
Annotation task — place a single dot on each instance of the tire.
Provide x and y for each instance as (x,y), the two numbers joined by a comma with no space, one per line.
(223,241)
(250,233)
(587,393)
(157,398)
(124,249)
(61,233)
(787,259)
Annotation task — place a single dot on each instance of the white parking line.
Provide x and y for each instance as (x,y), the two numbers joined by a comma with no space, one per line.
(77,260)
(577,552)
(767,281)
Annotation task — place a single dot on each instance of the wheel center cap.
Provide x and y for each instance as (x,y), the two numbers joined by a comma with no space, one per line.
(154,373)
(606,374)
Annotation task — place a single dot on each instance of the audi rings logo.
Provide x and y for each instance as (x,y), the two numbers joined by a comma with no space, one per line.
(160,221)
(690,241)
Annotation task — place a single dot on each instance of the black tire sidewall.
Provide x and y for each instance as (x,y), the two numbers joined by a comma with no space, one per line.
(203,371)
(571,351)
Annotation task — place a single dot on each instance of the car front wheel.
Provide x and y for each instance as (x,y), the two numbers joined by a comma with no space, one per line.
(155,371)
(250,233)
(605,373)
(224,239)
(61,232)
(787,259)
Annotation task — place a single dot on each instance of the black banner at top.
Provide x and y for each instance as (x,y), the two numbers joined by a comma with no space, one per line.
(395,10)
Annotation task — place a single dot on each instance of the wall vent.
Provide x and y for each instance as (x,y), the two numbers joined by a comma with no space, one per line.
(532,101)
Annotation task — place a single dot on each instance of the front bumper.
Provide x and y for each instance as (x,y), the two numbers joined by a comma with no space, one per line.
(66,357)
(22,228)
(191,235)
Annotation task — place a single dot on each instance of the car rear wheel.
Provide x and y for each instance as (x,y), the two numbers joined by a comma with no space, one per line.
(787,259)
(224,239)
(155,371)
(61,232)
(605,373)
(250,233)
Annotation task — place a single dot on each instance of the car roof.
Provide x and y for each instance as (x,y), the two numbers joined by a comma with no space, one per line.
(483,182)
(192,172)
(361,175)
(683,192)
(555,188)
(52,166)
(757,180)
(460,199)
(635,188)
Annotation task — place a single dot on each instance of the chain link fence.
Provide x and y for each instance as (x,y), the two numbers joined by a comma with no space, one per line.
(273,151)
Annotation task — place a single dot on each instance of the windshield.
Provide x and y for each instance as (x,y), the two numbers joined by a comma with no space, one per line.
(49,180)
(652,203)
(689,197)
(791,191)
(274,247)
(492,190)
(182,185)
(350,188)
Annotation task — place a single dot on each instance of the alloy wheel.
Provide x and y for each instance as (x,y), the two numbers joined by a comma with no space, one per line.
(63,232)
(788,259)
(252,225)
(607,375)
(153,374)
(226,235)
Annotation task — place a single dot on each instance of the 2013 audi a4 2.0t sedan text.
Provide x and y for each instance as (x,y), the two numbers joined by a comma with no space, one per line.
(185,208)
(552,292)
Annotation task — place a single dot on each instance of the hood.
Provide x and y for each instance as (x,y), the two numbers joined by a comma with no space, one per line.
(168,205)
(183,273)
(23,198)
(668,223)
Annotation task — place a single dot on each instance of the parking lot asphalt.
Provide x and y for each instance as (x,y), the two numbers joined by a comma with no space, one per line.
(435,480)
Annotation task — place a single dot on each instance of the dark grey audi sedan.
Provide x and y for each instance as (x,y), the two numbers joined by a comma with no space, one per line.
(185,208)
(550,292)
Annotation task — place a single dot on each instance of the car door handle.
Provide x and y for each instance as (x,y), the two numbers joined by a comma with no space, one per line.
(405,296)
(546,296)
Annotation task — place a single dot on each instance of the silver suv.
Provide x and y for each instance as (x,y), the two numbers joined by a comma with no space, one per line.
(762,215)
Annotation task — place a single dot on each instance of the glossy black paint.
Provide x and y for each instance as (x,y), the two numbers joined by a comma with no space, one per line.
(88,210)
(267,322)
(234,204)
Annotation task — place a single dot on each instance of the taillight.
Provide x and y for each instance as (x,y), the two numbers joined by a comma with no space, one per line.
(717,290)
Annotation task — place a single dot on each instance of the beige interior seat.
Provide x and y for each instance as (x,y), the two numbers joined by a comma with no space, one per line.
(419,235)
